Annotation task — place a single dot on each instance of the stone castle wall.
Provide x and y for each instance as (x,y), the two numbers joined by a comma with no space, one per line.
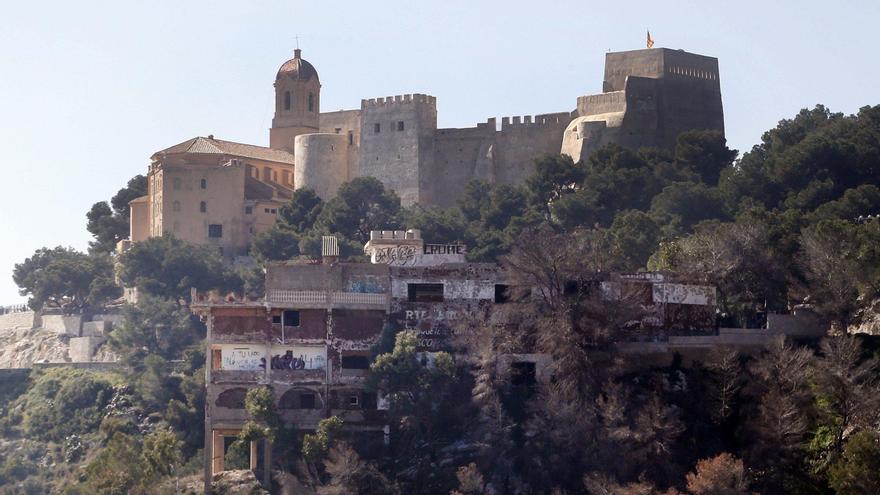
(649,97)
(397,135)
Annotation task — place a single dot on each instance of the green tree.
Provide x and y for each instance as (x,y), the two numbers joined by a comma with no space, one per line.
(681,205)
(275,244)
(65,278)
(857,471)
(157,327)
(359,207)
(555,176)
(316,445)
(168,267)
(704,153)
(160,454)
(111,226)
(116,470)
(634,237)
(437,224)
(301,212)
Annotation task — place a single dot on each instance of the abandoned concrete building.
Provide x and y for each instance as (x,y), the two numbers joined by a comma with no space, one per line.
(213,192)
(310,337)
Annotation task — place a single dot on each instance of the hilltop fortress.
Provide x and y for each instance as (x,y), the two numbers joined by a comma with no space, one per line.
(216,192)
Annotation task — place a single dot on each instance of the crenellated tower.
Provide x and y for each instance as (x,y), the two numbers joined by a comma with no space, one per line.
(297,102)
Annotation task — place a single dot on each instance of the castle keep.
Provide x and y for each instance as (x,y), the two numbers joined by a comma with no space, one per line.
(213,192)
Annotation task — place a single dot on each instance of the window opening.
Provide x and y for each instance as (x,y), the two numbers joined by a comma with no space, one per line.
(425,292)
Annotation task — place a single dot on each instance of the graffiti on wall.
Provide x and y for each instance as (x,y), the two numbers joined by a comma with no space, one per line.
(403,255)
(299,358)
(410,255)
(367,286)
(242,359)
(431,327)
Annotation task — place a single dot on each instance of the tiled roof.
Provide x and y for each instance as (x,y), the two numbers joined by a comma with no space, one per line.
(259,190)
(209,145)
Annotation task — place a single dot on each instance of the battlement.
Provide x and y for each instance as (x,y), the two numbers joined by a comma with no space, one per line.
(528,121)
(399,99)
(386,235)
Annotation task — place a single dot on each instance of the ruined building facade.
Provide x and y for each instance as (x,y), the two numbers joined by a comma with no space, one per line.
(220,193)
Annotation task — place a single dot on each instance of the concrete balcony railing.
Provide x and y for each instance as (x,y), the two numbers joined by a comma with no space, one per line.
(326,299)
(282,296)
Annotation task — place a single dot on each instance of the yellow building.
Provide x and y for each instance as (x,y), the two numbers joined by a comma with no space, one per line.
(207,191)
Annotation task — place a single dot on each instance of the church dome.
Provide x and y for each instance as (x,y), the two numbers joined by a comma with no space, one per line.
(297,68)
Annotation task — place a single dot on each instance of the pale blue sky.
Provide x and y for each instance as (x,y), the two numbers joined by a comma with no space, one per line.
(89,90)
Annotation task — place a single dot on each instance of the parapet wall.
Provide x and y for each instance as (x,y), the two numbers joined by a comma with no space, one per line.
(399,99)
(547,119)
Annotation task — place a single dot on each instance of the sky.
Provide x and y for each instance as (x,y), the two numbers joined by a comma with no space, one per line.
(89,90)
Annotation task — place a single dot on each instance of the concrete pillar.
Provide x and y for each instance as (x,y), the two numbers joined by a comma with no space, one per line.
(217,453)
(267,462)
(253,456)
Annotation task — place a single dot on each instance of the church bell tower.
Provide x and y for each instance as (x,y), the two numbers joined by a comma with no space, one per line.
(297,102)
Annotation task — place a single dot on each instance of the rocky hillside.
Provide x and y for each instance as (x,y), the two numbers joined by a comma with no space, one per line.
(21,345)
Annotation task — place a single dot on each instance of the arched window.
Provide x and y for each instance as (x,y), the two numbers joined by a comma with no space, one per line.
(232,398)
(287,100)
(311,102)
(204,183)
(203,207)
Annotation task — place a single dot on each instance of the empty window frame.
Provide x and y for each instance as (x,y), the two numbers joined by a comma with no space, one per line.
(502,293)
(425,292)
(399,125)
(523,374)
(215,230)
(203,183)
(377,128)
(355,362)
(203,207)
(290,318)
(287,100)
(311,102)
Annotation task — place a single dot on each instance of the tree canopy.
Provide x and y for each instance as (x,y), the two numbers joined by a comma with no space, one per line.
(66,279)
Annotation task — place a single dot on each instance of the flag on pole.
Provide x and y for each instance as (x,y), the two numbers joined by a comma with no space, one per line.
(650,40)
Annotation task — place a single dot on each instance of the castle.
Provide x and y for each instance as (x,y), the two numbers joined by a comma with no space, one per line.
(214,192)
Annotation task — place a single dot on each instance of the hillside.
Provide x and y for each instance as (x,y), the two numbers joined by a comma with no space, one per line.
(21,345)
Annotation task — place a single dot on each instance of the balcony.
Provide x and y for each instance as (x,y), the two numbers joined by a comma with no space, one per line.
(326,299)
(299,376)
(237,376)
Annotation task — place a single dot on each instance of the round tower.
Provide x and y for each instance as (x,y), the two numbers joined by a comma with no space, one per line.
(297,102)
